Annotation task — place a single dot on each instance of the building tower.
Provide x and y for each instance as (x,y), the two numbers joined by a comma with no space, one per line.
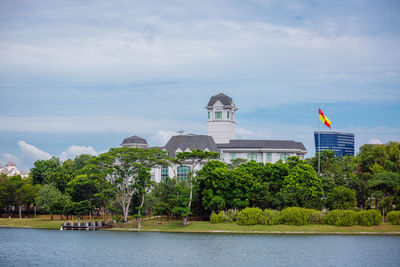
(341,143)
(221,118)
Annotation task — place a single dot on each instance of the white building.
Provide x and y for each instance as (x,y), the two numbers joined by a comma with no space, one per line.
(11,170)
(221,126)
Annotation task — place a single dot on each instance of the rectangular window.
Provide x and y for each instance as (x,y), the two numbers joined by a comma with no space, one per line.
(233,155)
(269,157)
(209,115)
(252,156)
(218,115)
(227,115)
(164,173)
(183,172)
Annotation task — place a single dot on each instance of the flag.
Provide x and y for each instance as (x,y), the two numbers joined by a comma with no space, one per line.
(324,119)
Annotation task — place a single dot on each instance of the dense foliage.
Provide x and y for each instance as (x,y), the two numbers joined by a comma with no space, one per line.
(270,217)
(119,182)
(341,218)
(295,216)
(249,216)
(394,217)
(369,218)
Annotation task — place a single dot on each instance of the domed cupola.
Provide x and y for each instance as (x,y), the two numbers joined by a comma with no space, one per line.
(135,141)
(221,118)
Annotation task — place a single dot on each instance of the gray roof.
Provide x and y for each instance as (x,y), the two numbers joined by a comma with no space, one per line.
(224,99)
(134,140)
(271,144)
(190,141)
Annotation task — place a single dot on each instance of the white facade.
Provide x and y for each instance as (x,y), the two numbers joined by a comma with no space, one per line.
(259,155)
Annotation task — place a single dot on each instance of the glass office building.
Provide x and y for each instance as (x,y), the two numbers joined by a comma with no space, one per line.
(341,143)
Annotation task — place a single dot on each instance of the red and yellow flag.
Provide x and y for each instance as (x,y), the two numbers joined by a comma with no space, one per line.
(324,119)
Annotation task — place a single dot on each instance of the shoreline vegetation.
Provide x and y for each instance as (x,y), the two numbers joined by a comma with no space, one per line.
(176,226)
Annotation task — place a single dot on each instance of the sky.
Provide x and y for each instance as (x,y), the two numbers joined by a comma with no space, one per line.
(80,76)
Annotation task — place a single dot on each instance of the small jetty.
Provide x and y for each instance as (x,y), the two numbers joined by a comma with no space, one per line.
(83,225)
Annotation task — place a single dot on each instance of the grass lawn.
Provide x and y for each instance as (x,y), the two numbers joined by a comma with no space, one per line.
(43,223)
(201,226)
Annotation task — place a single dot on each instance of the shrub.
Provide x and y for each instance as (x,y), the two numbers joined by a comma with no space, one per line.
(316,216)
(118,218)
(218,218)
(295,216)
(369,217)
(341,218)
(249,216)
(269,217)
(394,217)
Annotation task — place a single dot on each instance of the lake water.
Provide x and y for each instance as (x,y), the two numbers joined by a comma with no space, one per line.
(22,247)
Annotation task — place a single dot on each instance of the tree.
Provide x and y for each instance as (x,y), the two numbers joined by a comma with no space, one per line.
(193,158)
(217,204)
(51,200)
(164,194)
(386,182)
(15,191)
(302,186)
(214,181)
(341,198)
(143,185)
(43,169)
(123,166)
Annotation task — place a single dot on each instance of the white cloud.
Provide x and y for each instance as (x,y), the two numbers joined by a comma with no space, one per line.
(30,153)
(6,157)
(375,141)
(74,151)
(162,137)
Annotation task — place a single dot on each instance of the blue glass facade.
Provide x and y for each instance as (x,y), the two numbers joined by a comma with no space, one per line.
(341,143)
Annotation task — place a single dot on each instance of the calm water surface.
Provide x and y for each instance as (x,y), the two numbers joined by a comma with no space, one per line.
(21,247)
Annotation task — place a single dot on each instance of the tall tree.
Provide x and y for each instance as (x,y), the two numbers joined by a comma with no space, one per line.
(122,168)
(15,191)
(193,159)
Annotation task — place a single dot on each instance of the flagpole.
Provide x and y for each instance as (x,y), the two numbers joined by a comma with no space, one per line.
(319,145)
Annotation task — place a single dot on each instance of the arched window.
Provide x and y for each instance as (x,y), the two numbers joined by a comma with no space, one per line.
(252,156)
(182,173)
(164,173)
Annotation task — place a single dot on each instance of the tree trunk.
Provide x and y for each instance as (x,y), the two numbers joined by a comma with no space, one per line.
(51,216)
(90,215)
(20,211)
(125,211)
(140,215)
(185,219)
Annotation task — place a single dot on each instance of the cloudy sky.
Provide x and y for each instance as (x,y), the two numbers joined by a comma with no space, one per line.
(79,76)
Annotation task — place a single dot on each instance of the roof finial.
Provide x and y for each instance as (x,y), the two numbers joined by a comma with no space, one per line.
(181,132)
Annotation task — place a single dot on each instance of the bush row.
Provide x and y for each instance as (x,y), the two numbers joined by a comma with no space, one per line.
(302,216)
(394,217)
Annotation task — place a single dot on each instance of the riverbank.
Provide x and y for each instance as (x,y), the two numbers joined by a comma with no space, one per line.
(176,226)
